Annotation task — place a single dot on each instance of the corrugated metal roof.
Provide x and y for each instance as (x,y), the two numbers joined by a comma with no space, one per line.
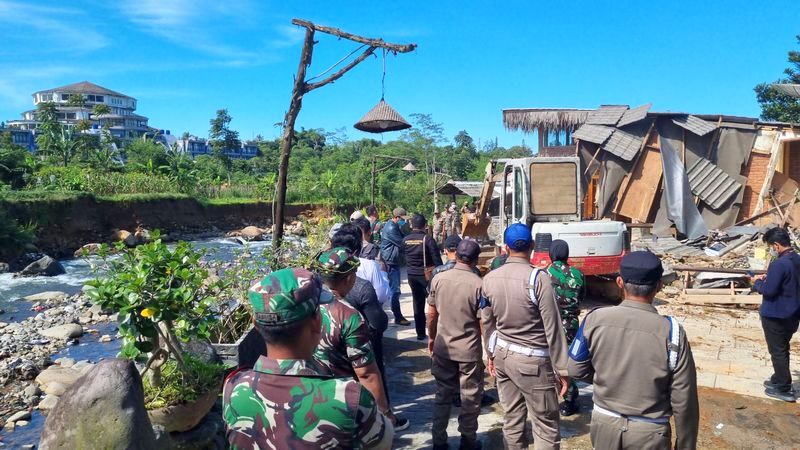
(623,144)
(606,115)
(694,124)
(470,188)
(667,246)
(788,89)
(597,134)
(711,184)
(634,115)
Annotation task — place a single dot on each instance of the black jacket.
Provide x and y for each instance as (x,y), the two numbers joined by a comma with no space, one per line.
(363,298)
(413,251)
(781,288)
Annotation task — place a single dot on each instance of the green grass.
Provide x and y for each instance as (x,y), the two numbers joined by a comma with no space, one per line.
(230,201)
(179,388)
(41,196)
(143,197)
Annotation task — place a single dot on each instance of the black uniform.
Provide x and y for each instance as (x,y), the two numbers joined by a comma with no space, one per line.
(415,265)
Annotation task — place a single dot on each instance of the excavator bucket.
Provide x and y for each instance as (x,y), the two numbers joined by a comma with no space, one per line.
(476,225)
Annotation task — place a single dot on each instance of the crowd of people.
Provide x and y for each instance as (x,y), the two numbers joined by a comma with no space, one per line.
(323,384)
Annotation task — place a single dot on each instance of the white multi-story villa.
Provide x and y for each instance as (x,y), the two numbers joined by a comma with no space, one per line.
(122,120)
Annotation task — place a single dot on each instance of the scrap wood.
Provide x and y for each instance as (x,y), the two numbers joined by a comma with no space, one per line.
(720,299)
(716,269)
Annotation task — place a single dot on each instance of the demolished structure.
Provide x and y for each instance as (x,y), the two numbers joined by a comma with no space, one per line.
(694,172)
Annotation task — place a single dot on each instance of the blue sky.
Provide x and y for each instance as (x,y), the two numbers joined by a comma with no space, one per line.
(184,59)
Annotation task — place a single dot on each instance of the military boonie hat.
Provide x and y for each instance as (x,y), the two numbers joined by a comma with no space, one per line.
(336,261)
(287,296)
(641,268)
(399,212)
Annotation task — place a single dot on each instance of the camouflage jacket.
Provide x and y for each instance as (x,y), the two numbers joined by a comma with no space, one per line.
(345,340)
(294,404)
(568,289)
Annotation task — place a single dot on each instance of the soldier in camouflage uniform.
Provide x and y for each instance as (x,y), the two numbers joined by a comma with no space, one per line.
(568,286)
(286,400)
(345,347)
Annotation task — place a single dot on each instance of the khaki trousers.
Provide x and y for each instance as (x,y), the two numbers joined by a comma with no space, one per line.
(450,376)
(527,387)
(617,433)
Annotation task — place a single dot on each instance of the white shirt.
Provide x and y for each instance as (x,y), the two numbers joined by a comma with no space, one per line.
(371,271)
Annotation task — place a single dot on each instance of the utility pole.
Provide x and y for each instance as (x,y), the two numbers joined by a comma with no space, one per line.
(301,87)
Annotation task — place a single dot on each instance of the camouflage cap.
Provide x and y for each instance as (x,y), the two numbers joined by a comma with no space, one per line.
(336,261)
(287,296)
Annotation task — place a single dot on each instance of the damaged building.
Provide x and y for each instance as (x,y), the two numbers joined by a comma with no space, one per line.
(686,174)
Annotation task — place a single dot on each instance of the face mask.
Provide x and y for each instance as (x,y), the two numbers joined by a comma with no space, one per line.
(773,253)
(401,222)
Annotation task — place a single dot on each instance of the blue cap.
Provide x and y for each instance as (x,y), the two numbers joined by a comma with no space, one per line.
(518,237)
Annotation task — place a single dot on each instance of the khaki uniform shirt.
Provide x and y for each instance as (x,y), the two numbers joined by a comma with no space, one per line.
(630,371)
(514,316)
(456,294)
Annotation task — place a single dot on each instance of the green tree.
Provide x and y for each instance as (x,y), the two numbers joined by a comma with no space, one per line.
(48,130)
(16,163)
(67,146)
(222,138)
(145,155)
(778,106)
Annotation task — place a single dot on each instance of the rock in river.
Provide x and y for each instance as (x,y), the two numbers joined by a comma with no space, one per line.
(66,331)
(43,266)
(88,249)
(252,233)
(49,296)
(104,409)
(125,236)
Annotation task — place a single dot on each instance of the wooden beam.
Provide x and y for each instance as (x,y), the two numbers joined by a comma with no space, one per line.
(720,299)
(372,42)
(342,71)
(716,269)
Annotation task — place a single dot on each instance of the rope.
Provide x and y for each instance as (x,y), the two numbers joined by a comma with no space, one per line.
(339,62)
(383,78)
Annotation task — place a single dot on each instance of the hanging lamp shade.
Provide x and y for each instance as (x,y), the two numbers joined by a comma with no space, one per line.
(382,118)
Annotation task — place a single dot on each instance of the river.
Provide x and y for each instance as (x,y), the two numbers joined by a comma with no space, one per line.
(78,271)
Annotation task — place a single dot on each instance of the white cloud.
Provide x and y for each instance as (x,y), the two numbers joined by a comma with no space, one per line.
(48,29)
(195,24)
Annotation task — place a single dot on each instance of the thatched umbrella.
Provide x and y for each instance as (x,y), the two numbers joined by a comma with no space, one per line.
(382,118)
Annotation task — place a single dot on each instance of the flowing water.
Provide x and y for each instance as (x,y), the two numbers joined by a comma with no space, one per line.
(78,271)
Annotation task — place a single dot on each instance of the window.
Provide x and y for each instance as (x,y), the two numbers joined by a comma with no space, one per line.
(64,97)
(70,116)
(98,98)
(554,188)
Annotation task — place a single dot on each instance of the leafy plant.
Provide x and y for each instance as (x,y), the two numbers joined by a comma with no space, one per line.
(162,298)
(177,386)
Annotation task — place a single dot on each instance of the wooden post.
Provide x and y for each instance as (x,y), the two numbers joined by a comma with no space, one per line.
(301,87)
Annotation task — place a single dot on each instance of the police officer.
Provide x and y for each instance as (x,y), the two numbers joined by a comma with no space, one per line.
(526,344)
(269,406)
(450,246)
(455,346)
(569,290)
(641,365)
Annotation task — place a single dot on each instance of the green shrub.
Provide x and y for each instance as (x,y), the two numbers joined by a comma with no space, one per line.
(177,387)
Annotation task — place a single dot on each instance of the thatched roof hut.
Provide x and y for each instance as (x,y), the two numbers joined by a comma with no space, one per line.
(534,119)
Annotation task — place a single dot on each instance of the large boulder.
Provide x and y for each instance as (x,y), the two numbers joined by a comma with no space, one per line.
(55,375)
(103,409)
(88,249)
(66,331)
(252,233)
(125,236)
(24,261)
(142,236)
(44,266)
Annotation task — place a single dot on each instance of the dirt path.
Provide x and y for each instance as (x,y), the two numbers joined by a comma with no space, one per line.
(728,420)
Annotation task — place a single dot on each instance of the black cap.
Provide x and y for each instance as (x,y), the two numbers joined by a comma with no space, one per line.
(452,242)
(468,249)
(641,268)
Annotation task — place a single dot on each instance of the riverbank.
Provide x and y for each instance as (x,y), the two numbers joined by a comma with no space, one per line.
(67,222)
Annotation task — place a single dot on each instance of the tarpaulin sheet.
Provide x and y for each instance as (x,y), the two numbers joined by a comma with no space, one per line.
(677,197)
